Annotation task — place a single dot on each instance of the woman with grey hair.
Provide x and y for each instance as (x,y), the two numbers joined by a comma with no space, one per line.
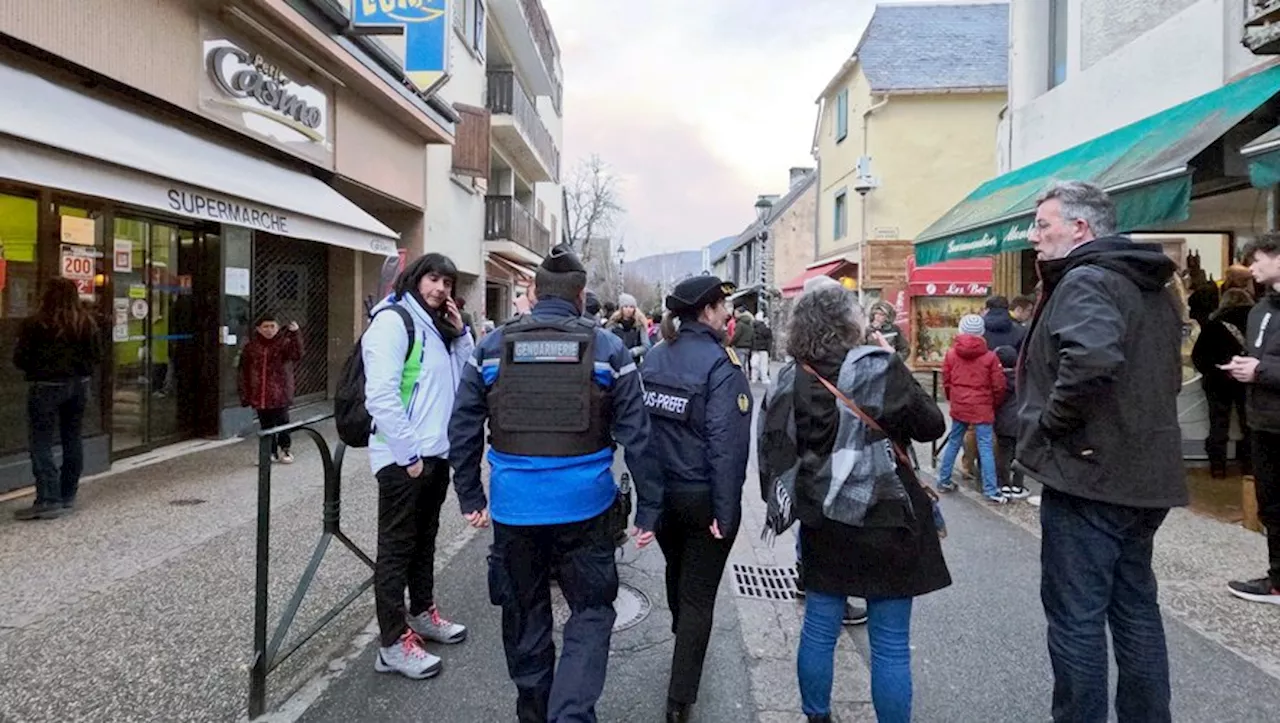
(866,523)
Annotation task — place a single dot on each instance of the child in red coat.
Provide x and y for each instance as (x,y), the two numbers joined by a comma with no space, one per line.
(975,385)
(266,378)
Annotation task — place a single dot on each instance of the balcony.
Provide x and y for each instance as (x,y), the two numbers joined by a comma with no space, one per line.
(525,26)
(1262,29)
(519,132)
(512,231)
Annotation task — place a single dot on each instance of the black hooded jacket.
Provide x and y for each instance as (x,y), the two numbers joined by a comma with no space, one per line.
(1100,375)
(1263,343)
(1002,330)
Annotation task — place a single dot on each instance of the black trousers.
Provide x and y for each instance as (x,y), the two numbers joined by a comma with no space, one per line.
(1220,403)
(1006,476)
(1266,472)
(695,564)
(408,521)
(272,418)
(520,563)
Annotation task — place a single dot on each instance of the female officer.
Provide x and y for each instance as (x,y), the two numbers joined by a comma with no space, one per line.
(699,407)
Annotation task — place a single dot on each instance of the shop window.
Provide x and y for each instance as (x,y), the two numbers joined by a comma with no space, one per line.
(841,219)
(80,258)
(19,298)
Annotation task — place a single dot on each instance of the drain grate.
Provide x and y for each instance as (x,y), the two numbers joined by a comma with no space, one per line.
(187,502)
(760,582)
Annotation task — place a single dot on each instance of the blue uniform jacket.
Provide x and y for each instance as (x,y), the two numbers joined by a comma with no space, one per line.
(545,490)
(699,404)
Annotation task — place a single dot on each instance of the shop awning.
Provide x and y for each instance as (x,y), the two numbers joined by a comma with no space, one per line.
(1263,155)
(1143,165)
(960,277)
(792,288)
(518,271)
(58,137)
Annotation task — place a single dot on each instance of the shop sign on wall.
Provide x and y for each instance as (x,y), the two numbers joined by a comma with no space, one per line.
(248,89)
(425,26)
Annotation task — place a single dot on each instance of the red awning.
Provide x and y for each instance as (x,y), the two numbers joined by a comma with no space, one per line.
(792,288)
(962,277)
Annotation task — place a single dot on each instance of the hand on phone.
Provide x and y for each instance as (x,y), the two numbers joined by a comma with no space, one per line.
(452,313)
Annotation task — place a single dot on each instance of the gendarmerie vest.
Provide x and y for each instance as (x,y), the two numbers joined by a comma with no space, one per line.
(546,402)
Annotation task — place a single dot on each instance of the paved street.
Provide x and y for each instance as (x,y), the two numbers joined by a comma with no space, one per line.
(160,595)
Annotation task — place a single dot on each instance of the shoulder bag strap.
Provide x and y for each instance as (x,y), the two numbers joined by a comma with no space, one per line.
(866,418)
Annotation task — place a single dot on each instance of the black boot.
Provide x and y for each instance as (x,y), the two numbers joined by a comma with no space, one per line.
(678,712)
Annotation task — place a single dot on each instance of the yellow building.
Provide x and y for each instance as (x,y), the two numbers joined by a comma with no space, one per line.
(908,125)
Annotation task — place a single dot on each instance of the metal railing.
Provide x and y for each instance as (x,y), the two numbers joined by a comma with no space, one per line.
(267,655)
(507,97)
(541,30)
(506,220)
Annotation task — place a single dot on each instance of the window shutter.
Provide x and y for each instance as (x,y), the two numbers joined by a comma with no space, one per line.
(471,142)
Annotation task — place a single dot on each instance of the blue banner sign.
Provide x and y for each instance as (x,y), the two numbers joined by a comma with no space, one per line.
(425,24)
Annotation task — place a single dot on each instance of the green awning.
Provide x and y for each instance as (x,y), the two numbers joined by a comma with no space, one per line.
(1143,165)
(1263,154)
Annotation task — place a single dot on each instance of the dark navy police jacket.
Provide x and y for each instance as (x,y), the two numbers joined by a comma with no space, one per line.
(530,490)
(699,406)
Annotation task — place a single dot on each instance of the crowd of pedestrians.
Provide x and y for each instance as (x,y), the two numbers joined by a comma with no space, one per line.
(1074,389)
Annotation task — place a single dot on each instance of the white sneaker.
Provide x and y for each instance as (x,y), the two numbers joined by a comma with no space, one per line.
(286,458)
(1018,493)
(431,626)
(408,657)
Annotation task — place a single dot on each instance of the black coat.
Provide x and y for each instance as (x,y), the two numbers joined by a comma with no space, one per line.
(43,355)
(763,340)
(1007,415)
(1100,376)
(1216,345)
(1002,330)
(897,552)
(1264,344)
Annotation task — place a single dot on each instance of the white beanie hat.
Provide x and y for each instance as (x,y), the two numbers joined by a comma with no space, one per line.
(972,324)
(626,300)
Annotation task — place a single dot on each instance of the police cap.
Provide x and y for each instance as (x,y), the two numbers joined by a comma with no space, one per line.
(696,292)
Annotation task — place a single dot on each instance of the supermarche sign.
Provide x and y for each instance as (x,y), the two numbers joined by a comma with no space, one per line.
(425,25)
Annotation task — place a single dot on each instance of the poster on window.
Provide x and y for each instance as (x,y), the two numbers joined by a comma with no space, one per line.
(935,321)
(122,255)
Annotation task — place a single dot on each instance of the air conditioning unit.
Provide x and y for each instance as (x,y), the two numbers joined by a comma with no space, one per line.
(863,181)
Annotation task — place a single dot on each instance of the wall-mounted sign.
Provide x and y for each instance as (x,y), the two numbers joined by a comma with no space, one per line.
(138,308)
(249,90)
(122,255)
(425,26)
(949,289)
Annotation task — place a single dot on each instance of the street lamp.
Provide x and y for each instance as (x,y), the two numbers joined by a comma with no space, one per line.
(762,209)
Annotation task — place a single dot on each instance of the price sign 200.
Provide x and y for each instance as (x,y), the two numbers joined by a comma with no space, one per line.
(77,267)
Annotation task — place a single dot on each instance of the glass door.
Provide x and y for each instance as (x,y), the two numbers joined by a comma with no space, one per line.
(154,335)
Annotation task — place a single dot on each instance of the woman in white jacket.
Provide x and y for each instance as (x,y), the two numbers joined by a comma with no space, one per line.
(413,359)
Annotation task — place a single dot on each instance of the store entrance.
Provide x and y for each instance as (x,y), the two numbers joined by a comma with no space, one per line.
(156,334)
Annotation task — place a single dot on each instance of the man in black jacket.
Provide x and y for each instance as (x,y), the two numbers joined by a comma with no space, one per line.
(1098,426)
(1000,328)
(1260,372)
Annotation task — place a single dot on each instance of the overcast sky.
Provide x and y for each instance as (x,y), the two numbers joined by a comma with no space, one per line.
(697,105)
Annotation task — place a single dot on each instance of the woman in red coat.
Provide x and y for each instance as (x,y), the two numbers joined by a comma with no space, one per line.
(266,378)
(975,386)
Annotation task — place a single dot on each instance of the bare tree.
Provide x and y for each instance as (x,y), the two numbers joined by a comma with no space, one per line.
(591,193)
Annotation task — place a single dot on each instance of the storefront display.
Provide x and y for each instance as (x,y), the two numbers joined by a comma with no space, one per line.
(940,295)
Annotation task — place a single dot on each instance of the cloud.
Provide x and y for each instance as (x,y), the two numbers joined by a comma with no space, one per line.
(699,105)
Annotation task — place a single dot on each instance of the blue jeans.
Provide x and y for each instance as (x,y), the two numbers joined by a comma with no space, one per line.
(1095,563)
(986,455)
(889,634)
(55,412)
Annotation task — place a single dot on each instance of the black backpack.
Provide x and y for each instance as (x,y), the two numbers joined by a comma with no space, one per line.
(349,413)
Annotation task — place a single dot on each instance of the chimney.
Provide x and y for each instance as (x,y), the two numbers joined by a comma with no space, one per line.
(798,174)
